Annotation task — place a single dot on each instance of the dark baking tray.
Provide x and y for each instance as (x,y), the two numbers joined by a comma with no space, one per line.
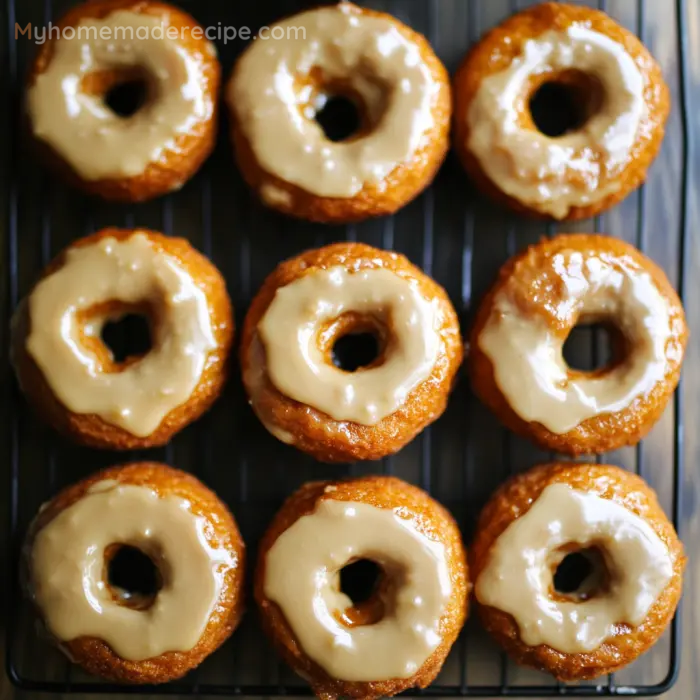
(451,232)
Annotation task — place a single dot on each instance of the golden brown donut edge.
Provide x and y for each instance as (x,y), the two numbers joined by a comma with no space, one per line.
(503,44)
(176,165)
(513,500)
(315,432)
(429,518)
(601,433)
(92,430)
(94,655)
(402,185)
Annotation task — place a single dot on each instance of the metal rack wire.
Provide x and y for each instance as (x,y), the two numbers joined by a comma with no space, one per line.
(452,234)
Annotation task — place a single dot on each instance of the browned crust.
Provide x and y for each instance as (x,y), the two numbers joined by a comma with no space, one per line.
(176,165)
(90,429)
(513,500)
(403,184)
(497,50)
(314,431)
(94,655)
(523,277)
(428,517)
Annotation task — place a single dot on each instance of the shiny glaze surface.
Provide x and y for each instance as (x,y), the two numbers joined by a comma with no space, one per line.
(66,320)
(275,97)
(518,577)
(313,430)
(94,140)
(203,515)
(361,626)
(620,102)
(68,571)
(526,349)
(302,577)
(300,369)
(513,501)
(580,167)
(521,326)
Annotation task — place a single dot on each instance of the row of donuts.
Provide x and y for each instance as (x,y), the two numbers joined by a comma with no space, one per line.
(308,306)
(284,80)
(400,634)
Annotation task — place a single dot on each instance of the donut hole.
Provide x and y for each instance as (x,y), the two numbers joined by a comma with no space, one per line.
(124,91)
(610,347)
(580,574)
(359,580)
(132,576)
(564,103)
(365,584)
(128,336)
(355,350)
(125,99)
(338,115)
(354,341)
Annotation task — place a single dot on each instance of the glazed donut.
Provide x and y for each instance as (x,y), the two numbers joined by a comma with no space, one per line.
(162,137)
(591,67)
(516,362)
(70,375)
(399,89)
(194,599)
(311,302)
(400,636)
(612,604)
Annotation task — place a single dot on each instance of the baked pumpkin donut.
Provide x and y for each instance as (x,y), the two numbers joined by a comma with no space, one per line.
(516,361)
(385,74)
(123,105)
(136,572)
(577,570)
(384,395)
(71,376)
(559,112)
(398,637)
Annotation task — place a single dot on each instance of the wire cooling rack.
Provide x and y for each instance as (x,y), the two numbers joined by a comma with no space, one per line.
(449,231)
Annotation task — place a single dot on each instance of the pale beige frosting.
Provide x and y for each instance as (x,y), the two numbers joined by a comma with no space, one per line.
(68,571)
(527,357)
(518,577)
(291,325)
(382,67)
(94,140)
(132,271)
(302,577)
(578,168)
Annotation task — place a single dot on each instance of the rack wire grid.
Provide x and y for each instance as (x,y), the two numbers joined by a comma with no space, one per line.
(451,232)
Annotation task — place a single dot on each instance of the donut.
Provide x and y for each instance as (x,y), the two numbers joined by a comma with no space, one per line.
(177,594)
(398,637)
(71,376)
(559,112)
(311,304)
(516,362)
(576,569)
(378,153)
(122,101)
